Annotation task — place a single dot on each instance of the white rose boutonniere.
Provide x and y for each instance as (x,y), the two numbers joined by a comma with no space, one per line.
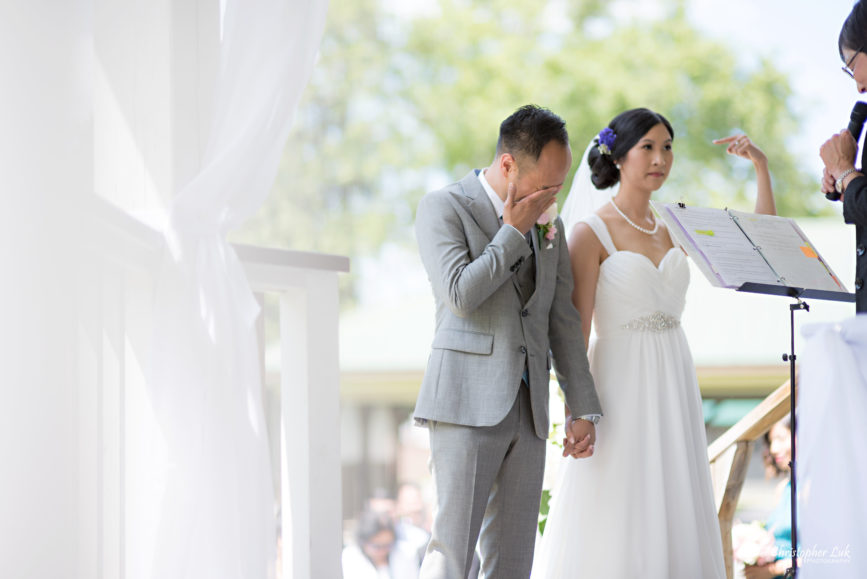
(546,228)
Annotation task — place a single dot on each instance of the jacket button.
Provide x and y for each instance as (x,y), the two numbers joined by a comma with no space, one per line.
(859,283)
(860,249)
(524,313)
(523,350)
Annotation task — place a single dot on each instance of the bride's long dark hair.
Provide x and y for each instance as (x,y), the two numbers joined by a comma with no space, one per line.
(629,126)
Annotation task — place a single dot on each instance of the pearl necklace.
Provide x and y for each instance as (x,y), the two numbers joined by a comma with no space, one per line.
(632,223)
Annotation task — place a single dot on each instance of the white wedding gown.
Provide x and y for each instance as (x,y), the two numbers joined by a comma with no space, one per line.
(642,506)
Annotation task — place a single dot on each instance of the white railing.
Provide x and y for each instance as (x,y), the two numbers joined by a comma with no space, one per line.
(116,290)
(306,284)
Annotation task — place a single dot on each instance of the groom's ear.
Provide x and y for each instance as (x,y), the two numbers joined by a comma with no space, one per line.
(508,166)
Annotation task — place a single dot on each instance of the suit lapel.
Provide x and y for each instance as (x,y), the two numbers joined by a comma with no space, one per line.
(479,205)
(538,256)
(489,222)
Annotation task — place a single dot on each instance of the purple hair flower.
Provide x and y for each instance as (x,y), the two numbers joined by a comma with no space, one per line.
(606,140)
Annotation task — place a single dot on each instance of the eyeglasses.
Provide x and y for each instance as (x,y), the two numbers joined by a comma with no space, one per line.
(848,69)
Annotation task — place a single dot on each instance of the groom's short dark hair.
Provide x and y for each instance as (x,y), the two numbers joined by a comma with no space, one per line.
(528,130)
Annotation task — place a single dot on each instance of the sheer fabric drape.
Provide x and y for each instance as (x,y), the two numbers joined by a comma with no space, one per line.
(217,509)
(831,458)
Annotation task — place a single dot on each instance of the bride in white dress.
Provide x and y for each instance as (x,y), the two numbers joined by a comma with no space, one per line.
(643,505)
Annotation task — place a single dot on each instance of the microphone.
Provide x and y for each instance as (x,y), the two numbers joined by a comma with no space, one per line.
(856,123)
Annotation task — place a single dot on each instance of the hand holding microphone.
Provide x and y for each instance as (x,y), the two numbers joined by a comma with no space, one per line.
(838,153)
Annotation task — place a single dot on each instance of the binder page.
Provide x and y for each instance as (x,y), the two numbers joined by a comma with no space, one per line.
(681,239)
(789,251)
(714,239)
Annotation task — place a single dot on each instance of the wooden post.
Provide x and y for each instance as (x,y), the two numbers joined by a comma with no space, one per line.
(729,457)
(728,473)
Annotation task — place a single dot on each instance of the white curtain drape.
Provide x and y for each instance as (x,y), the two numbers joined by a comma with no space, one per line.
(217,510)
(832,456)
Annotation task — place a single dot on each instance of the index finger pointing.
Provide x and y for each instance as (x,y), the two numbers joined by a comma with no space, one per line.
(725,140)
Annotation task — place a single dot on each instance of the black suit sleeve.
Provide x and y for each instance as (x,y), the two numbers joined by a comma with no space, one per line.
(855,202)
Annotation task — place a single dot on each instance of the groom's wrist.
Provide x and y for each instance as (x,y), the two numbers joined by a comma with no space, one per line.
(594,418)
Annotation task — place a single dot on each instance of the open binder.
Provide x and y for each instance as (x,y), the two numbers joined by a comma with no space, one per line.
(754,253)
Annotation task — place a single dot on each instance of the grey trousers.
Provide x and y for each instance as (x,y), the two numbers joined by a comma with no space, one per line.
(488,483)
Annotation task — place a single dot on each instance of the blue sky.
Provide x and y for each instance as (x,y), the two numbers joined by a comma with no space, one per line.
(801,36)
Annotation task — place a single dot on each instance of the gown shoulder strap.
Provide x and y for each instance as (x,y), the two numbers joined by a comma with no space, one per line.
(599,228)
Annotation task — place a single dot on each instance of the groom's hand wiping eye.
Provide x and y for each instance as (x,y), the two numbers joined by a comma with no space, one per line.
(523,213)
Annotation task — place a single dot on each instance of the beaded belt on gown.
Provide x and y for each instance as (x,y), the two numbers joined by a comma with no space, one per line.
(655,322)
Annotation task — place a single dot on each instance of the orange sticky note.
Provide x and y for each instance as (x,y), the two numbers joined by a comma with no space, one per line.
(808,251)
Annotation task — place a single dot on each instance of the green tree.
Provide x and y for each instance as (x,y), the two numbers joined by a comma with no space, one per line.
(504,54)
(339,184)
(402,103)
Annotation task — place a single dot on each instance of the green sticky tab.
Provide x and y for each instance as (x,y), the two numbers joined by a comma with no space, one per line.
(705,232)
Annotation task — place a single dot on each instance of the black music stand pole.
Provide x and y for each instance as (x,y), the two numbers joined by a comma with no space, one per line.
(792,571)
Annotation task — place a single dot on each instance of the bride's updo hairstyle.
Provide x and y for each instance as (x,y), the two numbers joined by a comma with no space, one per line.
(625,130)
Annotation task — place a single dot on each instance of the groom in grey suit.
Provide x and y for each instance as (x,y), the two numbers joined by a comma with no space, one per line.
(504,313)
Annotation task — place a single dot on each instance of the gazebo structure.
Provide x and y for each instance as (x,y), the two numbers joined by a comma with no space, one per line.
(137,134)
(133,440)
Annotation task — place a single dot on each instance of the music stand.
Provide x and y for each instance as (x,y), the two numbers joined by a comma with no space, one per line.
(727,246)
(790,357)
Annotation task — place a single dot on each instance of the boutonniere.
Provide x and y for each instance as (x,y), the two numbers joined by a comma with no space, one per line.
(546,227)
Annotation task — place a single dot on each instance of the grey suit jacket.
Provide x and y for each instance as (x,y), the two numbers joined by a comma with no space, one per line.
(484,335)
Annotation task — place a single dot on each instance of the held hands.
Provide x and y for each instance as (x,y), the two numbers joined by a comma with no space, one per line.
(523,213)
(742,146)
(580,438)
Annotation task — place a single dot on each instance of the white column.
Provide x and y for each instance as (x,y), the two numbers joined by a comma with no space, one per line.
(310,399)
(155,67)
(45,169)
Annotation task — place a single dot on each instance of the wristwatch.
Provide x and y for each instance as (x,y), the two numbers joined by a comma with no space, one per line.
(838,184)
(593,418)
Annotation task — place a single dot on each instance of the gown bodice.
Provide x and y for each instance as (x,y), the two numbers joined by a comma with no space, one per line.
(633,293)
(647,488)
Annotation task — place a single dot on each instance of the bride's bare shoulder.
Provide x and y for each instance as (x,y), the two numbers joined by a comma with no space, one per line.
(584,243)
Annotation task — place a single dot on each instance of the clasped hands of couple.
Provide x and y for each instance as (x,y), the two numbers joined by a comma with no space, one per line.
(522,213)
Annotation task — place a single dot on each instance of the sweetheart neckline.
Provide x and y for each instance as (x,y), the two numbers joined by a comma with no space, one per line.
(657,267)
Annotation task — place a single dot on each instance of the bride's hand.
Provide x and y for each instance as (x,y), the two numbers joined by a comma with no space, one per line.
(742,146)
(580,439)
